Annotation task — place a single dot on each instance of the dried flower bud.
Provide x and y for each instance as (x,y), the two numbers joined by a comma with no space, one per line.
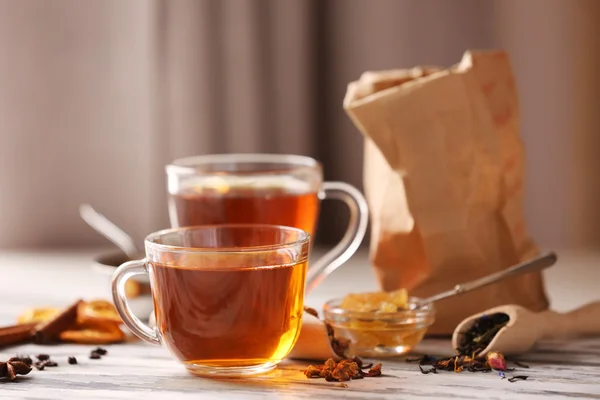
(496,361)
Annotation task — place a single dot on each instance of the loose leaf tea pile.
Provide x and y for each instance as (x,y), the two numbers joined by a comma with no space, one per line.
(481,333)
(344,370)
(474,340)
(493,361)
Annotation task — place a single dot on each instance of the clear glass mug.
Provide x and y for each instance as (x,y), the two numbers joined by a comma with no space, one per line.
(267,189)
(228,299)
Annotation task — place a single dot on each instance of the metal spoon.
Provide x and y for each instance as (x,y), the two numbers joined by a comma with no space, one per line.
(109,230)
(536,264)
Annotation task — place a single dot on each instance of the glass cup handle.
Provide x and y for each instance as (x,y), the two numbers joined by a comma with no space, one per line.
(357,226)
(119,278)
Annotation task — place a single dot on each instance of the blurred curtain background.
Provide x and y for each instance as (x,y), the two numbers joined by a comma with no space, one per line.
(97,96)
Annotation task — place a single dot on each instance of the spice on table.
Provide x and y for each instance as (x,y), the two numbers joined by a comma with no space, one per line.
(341,371)
(12,368)
(101,351)
(16,334)
(461,363)
(518,378)
(40,365)
(95,356)
(496,361)
(24,359)
(475,339)
(49,331)
(374,371)
(85,322)
(43,357)
(72,360)
(454,363)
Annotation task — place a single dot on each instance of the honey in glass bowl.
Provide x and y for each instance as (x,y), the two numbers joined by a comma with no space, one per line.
(380,324)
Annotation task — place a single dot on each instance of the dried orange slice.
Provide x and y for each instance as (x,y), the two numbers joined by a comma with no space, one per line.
(93,334)
(38,315)
(97,311)
(132,289)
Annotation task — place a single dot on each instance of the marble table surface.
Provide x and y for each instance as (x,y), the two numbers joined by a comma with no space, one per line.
(558,369)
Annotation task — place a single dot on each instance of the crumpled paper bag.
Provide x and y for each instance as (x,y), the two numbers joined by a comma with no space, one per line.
(443,176)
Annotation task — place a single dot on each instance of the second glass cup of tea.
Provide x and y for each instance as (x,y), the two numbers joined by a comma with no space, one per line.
(263,189)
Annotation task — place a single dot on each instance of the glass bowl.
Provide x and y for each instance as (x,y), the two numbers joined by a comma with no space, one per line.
(380,334)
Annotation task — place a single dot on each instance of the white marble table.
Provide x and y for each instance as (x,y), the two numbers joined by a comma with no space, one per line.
(136,370)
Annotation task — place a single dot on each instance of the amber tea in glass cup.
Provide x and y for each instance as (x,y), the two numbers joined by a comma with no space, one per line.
(263,189)
(228,298)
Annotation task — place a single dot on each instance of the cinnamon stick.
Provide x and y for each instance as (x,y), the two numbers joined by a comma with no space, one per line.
(49,331)
(16,334)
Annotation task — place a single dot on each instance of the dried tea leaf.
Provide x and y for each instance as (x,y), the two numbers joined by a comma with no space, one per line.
(342,371)
(341,374)
(518,378)
(481,333)
(431,370)
(312,372)
(375,370)
(312,312)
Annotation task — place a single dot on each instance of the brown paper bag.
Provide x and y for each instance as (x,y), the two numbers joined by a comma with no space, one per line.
(443,175)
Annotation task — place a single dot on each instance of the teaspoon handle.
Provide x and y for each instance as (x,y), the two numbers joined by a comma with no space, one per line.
(536,264)
(109,230)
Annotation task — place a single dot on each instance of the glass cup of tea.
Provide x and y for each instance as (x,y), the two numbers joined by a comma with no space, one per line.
(264,189)
(228,299)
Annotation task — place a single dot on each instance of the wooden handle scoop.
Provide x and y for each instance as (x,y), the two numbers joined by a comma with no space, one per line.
(525,328)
